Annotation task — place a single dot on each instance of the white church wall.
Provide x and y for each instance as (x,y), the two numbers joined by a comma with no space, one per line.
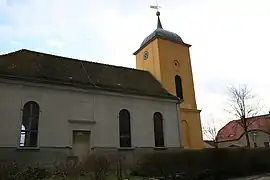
(141,112)
(60,109)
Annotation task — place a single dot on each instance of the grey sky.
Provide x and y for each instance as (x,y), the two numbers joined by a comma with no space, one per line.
(230,37)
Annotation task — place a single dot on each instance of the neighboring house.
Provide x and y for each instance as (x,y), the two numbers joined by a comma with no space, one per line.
(209,144)
(232,134)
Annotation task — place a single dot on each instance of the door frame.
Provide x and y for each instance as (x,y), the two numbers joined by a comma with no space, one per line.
(72,139)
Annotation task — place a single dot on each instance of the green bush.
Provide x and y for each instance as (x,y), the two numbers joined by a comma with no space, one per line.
(205,163)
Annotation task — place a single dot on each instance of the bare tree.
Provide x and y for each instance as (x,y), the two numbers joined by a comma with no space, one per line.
(210,131)
(243,104)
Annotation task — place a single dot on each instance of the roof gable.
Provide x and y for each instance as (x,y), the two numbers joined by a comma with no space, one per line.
(233,130)
(26,64)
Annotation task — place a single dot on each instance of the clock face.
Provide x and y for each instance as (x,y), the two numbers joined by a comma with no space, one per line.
(145,55)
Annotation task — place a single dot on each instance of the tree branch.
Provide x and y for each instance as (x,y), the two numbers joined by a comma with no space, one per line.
(242,105)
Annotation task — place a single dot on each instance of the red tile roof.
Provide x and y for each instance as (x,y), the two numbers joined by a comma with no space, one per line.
(233,130)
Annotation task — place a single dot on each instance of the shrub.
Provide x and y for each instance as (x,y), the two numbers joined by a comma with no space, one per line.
(14,171)
(205,163)
(97,166)
(8,170)
(32,173)
(94,167)
(68,169)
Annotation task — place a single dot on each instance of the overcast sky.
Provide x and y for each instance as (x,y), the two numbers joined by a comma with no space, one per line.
(229,38)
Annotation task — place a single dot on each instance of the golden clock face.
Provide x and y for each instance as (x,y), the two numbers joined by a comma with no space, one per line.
(145,55)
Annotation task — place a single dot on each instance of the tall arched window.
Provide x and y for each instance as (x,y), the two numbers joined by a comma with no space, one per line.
(124,128)
(158,129)
(29,128)
(178,86)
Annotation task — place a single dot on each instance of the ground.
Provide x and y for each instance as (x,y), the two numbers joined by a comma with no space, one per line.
(257,177)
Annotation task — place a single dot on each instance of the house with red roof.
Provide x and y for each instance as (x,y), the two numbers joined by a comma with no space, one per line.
(232,134)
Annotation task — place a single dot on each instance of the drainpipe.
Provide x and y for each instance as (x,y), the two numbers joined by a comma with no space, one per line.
(94,120)
(179,122)
(94,105)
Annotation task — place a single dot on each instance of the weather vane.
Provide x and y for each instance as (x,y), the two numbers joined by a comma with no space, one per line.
(157,7)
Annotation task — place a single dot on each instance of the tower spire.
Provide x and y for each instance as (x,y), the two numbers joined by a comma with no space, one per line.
(158,14)
(158,22)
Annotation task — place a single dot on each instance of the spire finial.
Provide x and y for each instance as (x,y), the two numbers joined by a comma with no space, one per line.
(157,7)
(159,22)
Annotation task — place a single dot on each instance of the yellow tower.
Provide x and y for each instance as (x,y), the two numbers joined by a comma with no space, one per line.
(167,57)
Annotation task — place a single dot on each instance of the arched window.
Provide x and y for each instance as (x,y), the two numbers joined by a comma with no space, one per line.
(29,127)
(124,128)
(158,129)
(22,139)
(178,86)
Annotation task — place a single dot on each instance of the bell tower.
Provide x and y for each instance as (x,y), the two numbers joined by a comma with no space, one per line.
(167,57)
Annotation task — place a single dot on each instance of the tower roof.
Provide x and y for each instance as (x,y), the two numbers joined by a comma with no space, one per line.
(161,33)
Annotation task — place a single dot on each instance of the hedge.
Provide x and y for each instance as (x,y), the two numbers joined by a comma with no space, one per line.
(93,168)
(205,163)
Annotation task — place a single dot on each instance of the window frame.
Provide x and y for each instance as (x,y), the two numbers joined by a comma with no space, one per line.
(35,115)
(124,135)
(156,145)
(178,84)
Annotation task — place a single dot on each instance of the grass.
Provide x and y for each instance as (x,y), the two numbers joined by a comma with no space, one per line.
(108,178)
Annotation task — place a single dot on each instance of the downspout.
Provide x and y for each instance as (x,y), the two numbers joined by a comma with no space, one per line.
(94,85)
(179,122)
(94,101)
(94,109)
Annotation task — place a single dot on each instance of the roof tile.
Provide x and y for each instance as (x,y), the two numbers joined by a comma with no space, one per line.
(233,130)
(39,66)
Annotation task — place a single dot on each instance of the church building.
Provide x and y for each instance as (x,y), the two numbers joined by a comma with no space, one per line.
(56,107)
